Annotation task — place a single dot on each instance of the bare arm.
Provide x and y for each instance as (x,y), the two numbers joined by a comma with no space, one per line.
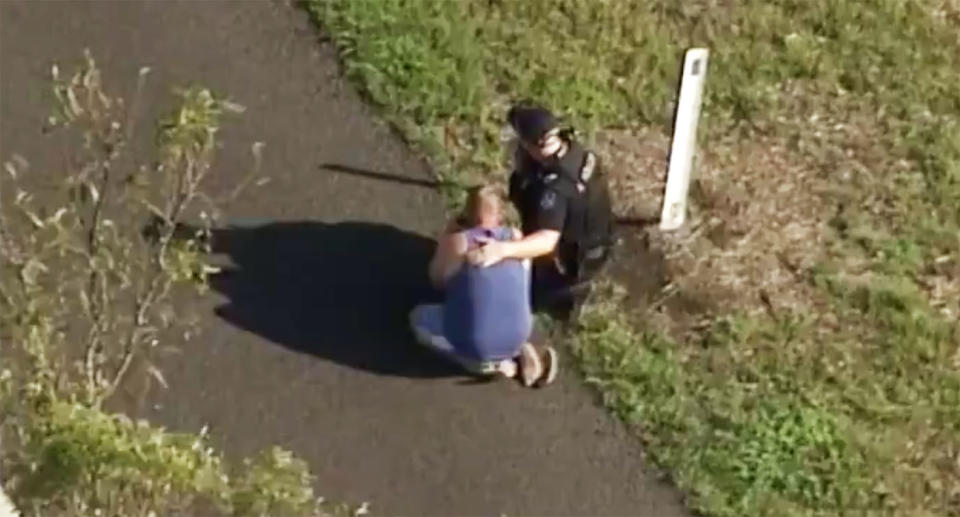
(447,258)
(550,216)
(539,243)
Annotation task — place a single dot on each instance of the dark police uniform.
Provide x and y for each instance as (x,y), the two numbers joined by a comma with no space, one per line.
(559,195)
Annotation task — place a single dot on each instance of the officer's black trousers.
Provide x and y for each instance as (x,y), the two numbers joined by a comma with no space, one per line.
(560,294)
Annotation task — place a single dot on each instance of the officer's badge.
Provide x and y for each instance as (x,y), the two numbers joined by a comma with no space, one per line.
(548,200)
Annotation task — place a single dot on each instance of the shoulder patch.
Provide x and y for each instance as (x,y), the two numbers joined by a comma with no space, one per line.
(548,199)
(588,166)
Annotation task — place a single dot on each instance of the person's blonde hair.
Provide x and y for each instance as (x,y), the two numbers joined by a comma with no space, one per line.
(482,201)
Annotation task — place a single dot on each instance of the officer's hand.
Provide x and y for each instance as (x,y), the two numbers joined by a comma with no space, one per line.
(487,254)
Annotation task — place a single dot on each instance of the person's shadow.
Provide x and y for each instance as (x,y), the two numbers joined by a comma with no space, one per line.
(341,292)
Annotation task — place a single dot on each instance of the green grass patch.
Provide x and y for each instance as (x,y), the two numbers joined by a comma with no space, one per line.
(784,416)
(445,71)
(849,407)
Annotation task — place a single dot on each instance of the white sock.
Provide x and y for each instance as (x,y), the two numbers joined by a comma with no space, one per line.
(507,367)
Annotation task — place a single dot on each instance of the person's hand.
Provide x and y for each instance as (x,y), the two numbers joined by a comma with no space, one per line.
(453,226)
(488,253)
(450,227)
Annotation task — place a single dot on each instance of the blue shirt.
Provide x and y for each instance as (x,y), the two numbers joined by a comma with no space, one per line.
(487,313)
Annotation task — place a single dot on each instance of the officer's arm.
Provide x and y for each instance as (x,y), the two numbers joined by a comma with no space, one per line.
(549,218)
(538,243)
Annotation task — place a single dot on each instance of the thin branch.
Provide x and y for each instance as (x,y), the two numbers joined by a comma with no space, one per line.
(7,251)
(99,298)
(184,169)
(131,343)
(244,182)
(130,346)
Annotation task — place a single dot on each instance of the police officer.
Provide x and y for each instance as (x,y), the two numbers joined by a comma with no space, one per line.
(561,194)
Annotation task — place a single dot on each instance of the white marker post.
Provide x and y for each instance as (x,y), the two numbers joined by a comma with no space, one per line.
(6,507)
(684,139)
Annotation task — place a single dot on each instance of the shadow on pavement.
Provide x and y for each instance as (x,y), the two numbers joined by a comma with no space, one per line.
(341,292)
(396,178)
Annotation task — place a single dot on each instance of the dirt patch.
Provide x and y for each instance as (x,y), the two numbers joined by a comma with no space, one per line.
(756,223)
(636,160)
(941,282)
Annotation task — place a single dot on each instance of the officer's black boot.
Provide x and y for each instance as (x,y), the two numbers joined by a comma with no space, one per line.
(578,297)
(562,304)
(544,300)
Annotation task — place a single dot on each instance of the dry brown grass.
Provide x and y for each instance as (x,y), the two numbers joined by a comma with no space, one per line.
(756,222)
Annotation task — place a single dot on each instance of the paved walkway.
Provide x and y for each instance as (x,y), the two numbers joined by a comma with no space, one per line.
(306,344)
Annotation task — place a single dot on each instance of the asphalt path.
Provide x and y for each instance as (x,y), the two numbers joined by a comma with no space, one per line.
(304,341)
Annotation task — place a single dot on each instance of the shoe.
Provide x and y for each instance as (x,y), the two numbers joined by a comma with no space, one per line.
(508,368)
(531,365)
(551,366)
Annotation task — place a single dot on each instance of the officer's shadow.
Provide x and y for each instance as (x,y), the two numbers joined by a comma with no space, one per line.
(341,292)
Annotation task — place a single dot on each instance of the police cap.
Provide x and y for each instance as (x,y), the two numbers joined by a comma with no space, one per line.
(531,122)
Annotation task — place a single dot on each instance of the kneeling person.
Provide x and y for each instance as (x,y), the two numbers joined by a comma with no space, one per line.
(486,320)
(560,190)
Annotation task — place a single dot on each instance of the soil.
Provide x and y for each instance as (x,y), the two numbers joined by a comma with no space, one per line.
(755,223)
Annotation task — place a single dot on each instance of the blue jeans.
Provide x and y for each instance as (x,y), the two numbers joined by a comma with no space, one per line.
(426,320)
(427,323)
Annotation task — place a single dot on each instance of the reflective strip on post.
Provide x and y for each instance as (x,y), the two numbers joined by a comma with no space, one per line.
(684,139)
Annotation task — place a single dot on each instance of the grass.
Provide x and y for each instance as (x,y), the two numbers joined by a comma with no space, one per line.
(763,416)
(848,406)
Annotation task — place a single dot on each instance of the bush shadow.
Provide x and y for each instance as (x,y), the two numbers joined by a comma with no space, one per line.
(341,292)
